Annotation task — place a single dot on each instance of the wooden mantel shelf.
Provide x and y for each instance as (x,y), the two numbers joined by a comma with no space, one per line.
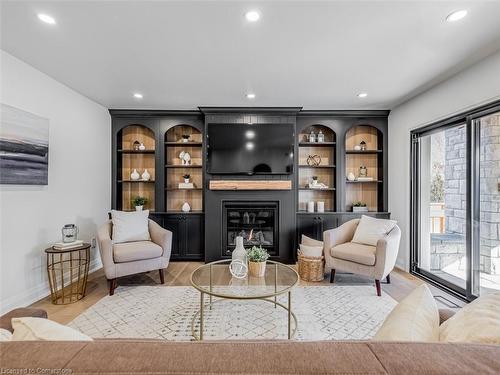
(250,185)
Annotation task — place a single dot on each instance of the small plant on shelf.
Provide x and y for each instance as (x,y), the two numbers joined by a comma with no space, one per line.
(186,178)
(359,207)
(139,202)
(257,257)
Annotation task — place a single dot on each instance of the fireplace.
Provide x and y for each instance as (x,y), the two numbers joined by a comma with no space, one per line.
(256,222)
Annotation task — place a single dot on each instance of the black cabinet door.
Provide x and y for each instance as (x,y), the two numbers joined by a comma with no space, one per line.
(313,226)
(194,234)
(175,224)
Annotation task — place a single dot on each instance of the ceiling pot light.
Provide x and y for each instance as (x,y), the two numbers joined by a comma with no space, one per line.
(138,95)
(362,95)
(456,15)
(249,146)
(46,18)
(252,16)
(250,134)
(250,96)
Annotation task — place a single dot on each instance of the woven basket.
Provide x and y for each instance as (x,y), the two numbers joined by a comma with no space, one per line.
(311,268)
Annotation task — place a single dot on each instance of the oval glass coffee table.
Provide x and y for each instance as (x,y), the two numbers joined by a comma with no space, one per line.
(215,280)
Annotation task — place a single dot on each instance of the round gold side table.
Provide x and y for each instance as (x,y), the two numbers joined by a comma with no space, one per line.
(68,271)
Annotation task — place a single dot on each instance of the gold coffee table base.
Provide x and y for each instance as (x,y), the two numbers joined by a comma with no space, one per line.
(200,313)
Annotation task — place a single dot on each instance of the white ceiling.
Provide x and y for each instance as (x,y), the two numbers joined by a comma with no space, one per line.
(185,54)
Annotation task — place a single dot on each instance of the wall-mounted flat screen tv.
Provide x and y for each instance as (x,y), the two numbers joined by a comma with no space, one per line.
(250,149)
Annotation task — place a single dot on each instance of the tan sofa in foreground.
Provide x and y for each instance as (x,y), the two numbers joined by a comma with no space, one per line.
(243,357)
(373,261)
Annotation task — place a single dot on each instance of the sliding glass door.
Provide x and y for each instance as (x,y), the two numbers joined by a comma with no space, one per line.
(487,220)
(455,237)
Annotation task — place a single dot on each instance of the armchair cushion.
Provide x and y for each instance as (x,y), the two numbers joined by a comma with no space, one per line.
(130,226)
(370,230)
(133,251)
(355,252)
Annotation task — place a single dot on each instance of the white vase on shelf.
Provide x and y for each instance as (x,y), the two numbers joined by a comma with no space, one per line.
(139,208)
(146,176)
(142,147)
(186,207)
(134,176)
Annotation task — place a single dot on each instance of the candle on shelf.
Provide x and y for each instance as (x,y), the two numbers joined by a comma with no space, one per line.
(310,206)
(321,206)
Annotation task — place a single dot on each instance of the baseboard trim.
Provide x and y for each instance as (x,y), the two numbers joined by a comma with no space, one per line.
(38,293)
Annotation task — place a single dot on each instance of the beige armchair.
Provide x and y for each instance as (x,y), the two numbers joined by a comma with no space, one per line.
(134,257)
(372,261)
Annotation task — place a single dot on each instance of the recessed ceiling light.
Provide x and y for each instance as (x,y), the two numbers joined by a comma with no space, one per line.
(138,95)
(362,95)
(456,16)
(250,134)
(250,96)
(252,16)
(249,146)
(46,18)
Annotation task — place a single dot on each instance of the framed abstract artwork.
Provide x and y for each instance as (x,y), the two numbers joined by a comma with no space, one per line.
(24,147)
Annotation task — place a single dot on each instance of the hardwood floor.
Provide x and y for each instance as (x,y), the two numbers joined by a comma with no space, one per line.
(178,274)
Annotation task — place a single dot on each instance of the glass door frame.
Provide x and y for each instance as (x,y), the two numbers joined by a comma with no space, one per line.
(471,120)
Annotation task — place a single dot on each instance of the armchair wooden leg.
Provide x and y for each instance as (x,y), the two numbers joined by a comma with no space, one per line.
(112,286)
(377,285)
(332,275)
(388,279)
(162,278)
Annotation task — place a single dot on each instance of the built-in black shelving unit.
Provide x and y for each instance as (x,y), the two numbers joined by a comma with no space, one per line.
(197,233)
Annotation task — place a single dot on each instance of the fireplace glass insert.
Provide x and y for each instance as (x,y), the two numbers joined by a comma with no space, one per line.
(256,222)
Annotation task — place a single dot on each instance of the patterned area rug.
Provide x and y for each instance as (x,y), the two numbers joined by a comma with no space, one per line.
(323,313)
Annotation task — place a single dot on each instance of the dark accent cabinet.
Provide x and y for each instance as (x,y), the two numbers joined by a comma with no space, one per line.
(187,235)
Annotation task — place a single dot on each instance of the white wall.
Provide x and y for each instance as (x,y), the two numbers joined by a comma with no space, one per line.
(474,86)
(79,186)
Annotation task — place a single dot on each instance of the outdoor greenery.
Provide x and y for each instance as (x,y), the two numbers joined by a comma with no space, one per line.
(437,184)
(257,254)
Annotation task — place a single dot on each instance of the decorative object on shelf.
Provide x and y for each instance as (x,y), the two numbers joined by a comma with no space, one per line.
(312,137)
(321,137)
(186,207)
(313,160)
(364,179)
(238,269)
(142,147)
(257,257)
(363,171)
(239,252)
(362,144)
(186,178)
(351,176)
(145,175)
(321,206)
(314,184)
(185,157)
(357,148)
(139,202)
(310,206)
(134,176)
(185,138)
(69,233)
(359,207)
(136,145)
(314,181)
